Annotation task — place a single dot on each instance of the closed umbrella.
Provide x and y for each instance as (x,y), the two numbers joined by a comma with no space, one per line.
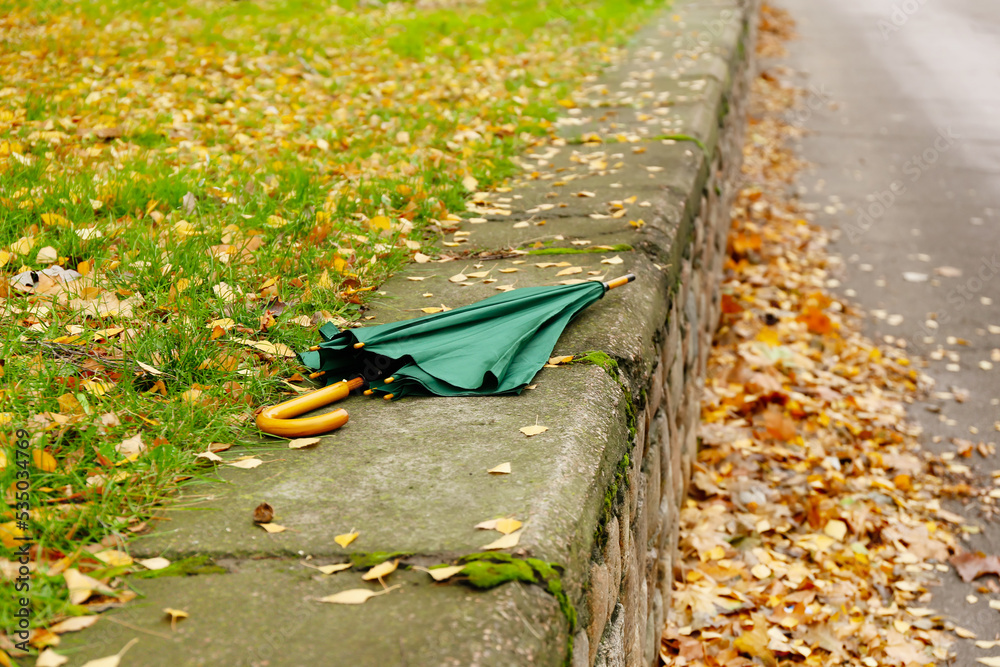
(494,346)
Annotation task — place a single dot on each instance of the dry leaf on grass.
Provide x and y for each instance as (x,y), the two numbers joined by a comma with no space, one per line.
(73,624)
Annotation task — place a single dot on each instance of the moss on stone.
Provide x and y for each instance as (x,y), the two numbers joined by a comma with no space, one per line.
(487,574)
(376,557)
(602,359)
(184,568)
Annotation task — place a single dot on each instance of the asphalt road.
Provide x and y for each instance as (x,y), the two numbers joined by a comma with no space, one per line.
(903,131)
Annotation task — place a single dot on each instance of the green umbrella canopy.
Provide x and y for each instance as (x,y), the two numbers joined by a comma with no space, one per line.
(494,346)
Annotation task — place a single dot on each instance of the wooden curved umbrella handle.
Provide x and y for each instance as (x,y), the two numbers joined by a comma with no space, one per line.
(278,419)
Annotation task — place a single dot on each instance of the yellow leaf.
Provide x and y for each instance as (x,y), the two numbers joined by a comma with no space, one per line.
(43,460)
(346,538)
(336,567)
(533,430)
(442,573)
(9,532)
(836,529)
(55,219)
(381,570)
(69,404)
(507,526)
(555,361)
(470,183)
(113,557)
(276,221)
(4,258)
(225,324)
(299,443)
(96,387)
(502,469)
(754,642)
(431,310)
(505,542)
(458,278)
(352,596)
(23,245)
(612,260)
(570,271)
(380,222)
(175,614)
(272,527)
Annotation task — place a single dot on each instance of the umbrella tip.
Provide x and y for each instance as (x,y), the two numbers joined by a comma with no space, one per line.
(314,348)
(618,282)
(388,397)
(390,380)
(358,346)
(313,376)
(369,392)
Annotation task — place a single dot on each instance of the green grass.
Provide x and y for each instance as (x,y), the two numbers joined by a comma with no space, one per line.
(294,126)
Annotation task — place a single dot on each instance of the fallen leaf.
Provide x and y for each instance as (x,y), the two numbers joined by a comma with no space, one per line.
(299,443)
(113,557)
(74,624)
(507,526)
(81,587)
(263,513)
(381,570)
(354,596)
(272,527)
(336,567)
(971,565)
(502,469)
(175,615)
(157,563)
(442,573)
(132,447)
(989,662)
(836,529)
(612,260)
(458,278)
(533,430)
(948,271)
(346,538)
(570,271)
(506,542)
(49,658)
(246,464)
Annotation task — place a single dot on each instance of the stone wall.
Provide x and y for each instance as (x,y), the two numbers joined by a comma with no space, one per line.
(631,576)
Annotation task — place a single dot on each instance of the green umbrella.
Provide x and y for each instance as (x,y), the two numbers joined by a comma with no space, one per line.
(494,346)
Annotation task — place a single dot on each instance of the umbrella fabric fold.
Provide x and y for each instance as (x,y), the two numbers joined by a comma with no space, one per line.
(494,346)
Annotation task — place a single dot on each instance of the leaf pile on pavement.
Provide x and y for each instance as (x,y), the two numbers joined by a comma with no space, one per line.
(815,527)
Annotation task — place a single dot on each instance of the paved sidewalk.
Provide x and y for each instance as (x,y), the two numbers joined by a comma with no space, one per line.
(904,135)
